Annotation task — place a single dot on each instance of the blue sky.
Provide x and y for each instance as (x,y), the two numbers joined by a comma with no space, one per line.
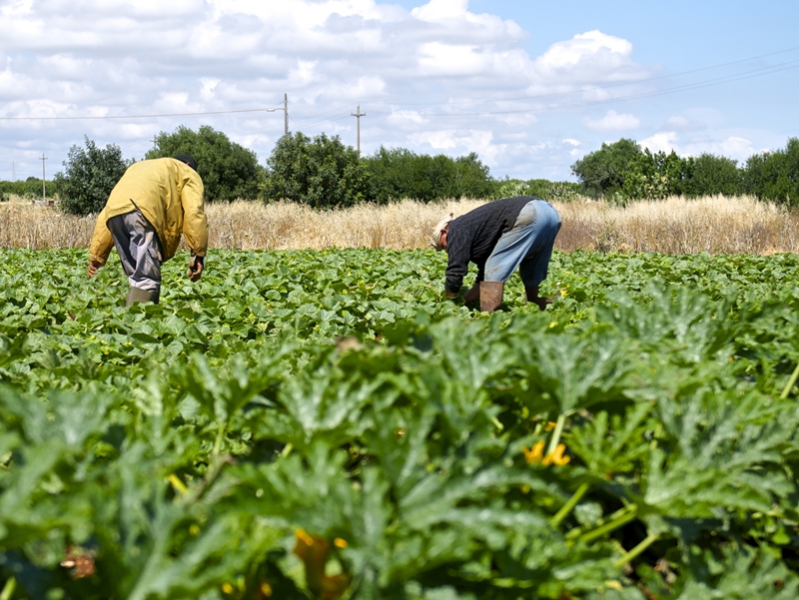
(529,86)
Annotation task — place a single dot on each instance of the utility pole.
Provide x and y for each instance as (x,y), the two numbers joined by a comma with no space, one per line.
(359,114)
(13,172)
(44,194)
(154,141)
(285,110)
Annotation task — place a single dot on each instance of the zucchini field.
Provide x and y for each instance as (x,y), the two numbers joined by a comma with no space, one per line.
(322,425)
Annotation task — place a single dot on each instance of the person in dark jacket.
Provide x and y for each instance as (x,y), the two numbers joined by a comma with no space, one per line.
(499,237)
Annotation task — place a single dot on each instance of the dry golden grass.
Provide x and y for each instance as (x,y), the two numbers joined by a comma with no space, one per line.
(718,225)
(675,225)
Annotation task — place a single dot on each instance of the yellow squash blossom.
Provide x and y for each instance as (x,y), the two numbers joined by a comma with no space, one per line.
(314,552)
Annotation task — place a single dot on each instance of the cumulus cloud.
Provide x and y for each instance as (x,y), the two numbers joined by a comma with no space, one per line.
(664,141)
(592,56)
(613,121)
(678,123)
(434,78)
(735,147)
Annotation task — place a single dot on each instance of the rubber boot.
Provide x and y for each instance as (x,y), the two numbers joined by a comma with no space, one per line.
(491,295)
(532,296)
(138,295)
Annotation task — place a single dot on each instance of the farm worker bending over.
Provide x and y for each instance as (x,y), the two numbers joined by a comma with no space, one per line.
(154,202)
(498,237)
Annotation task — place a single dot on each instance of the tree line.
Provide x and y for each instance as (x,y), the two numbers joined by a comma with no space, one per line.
(323,172)
(623,171)
(27,188)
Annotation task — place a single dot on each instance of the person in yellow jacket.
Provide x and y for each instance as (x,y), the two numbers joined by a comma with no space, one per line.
(154,202)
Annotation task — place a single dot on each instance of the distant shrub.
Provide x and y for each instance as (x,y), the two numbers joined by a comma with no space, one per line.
(604,171)
(89,175)
(775,175)
(29,188)
(713,175)
(321,172)
(655,175)
(228,170)
(398,173)
(561,191)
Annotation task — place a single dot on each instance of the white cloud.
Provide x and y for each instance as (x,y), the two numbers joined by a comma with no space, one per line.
(472,141)
(661,142)
(441,10)
(434,78)
(402,118)
(590,57)
(734,147)
(678,123)
(613,121)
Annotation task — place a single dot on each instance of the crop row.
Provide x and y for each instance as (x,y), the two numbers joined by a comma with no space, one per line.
(324,425)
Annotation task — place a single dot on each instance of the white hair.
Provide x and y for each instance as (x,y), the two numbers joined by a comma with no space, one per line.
(435,239)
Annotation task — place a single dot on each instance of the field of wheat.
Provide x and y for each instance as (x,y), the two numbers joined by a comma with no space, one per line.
(675,225)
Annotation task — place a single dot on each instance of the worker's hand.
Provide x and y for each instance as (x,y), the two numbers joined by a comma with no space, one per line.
(449,294)
(196,267)
(94,266)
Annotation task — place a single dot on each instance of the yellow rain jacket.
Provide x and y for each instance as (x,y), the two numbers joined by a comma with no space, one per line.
(169,194)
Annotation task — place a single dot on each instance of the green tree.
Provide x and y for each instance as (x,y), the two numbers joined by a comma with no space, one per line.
(712,175)
(89,175)
(27,188)
(563,191)
(322,173)
(392,174)
(228,170)
(603,172)
(774,175)
(656,176)
(399,173)
(472,177)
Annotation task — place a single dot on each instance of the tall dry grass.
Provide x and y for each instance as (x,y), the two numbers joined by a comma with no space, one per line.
(718,225)
(675,225)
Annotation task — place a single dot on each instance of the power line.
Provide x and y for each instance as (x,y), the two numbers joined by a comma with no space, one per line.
(693,86)
(601,87)
(719,80)
(327,112)
(330,119)
(284,106)
(193,114)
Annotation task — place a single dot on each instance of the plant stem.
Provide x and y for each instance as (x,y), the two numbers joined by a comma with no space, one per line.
(633,554)
(178,485)
(567,508)
(553,443)
(578,531)
(621,520)
(791,383)
(8,589)
(220,436)
(286,450)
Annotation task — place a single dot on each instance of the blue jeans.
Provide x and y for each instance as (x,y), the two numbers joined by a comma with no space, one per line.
(527,245)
